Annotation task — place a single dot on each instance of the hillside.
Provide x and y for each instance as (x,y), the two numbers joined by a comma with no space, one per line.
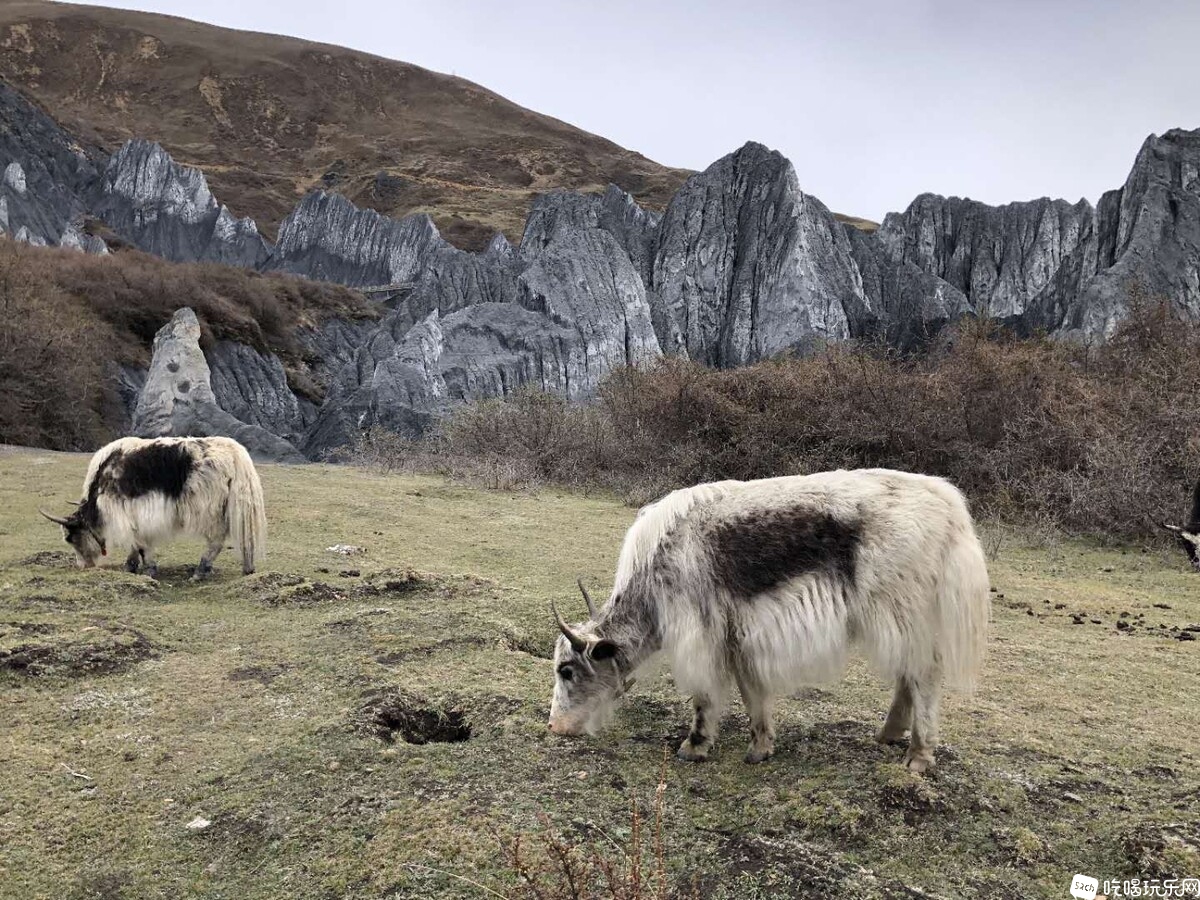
(270,118)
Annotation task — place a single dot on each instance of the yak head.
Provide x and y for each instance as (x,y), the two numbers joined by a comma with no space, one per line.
(589,675)
(84,538)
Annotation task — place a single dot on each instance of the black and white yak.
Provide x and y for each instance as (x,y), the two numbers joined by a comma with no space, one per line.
(140,492)
(768,584)
(1189,535)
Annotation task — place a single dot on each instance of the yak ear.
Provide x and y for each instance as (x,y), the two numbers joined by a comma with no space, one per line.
(602,650)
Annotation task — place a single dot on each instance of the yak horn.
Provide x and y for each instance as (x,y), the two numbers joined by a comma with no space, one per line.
(577,643)
(53,519)
(587,598)
(1174,529)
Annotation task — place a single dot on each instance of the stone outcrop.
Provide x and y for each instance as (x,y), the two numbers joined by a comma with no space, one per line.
(1000,257)
(741,266)
(747,265)
(46,174)
(177,397)
(1144,242)
(328,237)
(167,209)
(475,328)
(903,306)
(1068,269)
(253,387)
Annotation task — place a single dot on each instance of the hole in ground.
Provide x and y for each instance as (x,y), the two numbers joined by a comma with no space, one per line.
(412,718)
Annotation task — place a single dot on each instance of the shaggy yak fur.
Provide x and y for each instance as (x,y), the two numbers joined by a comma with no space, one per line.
(768,584)
(140,492)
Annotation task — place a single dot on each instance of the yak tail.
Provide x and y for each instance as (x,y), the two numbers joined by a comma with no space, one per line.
(246,511)
(963,610)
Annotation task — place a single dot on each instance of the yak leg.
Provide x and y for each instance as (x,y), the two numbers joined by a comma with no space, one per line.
(205,568)
(149,562)
(760,706)
(899,717)
(926,693)
(134,560)
(705,721)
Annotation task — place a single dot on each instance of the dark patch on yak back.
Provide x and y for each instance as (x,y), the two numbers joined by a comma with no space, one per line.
(760,551)
(155,468)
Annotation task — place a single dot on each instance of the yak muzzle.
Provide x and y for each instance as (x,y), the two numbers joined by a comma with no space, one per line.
(564,728)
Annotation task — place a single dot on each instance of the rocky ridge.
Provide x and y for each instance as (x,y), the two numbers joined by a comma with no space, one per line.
(741,266)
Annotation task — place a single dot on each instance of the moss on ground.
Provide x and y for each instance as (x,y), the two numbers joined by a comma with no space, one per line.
(365,726)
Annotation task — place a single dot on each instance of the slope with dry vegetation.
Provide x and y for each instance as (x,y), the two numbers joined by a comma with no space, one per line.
(67,319)
(268,118)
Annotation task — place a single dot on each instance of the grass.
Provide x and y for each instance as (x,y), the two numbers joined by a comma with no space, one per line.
(282,708)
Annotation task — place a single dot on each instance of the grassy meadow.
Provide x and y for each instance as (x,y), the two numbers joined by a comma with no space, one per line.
(373,725)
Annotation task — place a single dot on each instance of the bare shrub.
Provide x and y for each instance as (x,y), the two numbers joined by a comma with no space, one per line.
(1049,433)
(69,316)
(53,389)
(549,865)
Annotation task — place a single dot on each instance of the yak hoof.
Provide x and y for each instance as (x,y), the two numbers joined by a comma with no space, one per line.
(889,737)
(152,571)
(918,763)
(689,753)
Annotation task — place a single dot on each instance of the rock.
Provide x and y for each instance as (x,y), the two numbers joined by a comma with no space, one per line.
(167,209)
(616,212)
(177,398)
(329,238)
(748,266)
(904,306)
(198,824)
(1145,241)
(253,387)
(47,173)
(999,257)
(576,312)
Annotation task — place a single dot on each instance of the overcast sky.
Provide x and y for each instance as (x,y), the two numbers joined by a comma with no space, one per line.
(874,101)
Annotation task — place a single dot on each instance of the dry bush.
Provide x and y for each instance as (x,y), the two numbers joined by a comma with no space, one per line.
(549,865)
(1090,440)
(69,317)
(53,386)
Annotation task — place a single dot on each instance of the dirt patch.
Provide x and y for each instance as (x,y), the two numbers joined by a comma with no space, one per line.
(412,718)
(101,649)
(1163,851)
(52,559)
(791,868)
(280,589)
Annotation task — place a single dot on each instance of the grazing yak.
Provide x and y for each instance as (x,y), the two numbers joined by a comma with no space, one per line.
(767,584)
(140,492)
(1189,535)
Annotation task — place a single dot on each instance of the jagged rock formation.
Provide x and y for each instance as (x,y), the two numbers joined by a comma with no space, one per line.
(1001,257)
(903,306)
(741,266)
(177,398)
(747,265)
(167,209)
(1070,270)
(46,173)
(473,328)
(1144,241)
(253,387)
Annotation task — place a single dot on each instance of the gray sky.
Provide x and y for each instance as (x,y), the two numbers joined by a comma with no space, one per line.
(873,101)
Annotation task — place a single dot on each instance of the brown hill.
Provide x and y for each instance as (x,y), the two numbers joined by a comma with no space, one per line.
(269,118)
